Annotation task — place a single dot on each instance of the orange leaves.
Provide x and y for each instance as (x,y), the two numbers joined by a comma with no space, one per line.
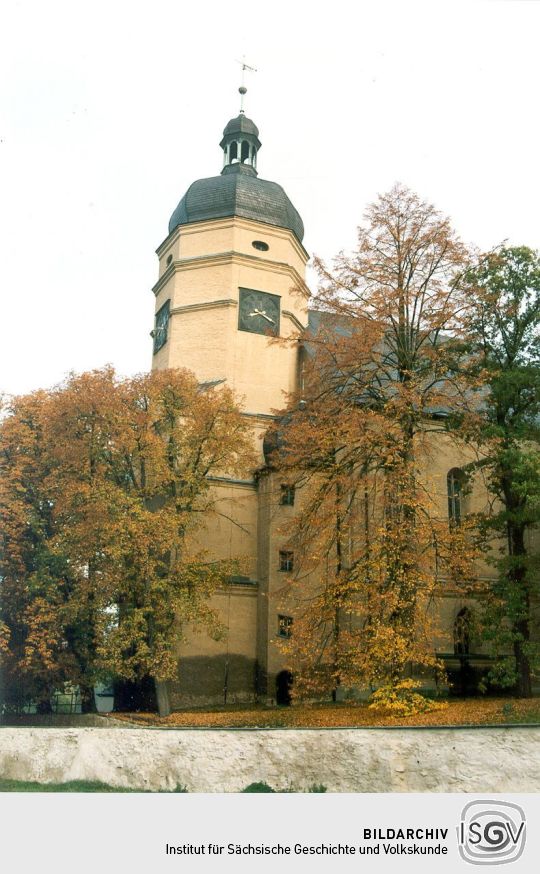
(403,699)
(380,376)
(103,483)
(471,711)
(43,629)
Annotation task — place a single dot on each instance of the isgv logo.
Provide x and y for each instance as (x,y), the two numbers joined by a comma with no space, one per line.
(491,832)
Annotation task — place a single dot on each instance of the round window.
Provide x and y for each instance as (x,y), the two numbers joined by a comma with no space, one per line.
(258,244)
(169,260)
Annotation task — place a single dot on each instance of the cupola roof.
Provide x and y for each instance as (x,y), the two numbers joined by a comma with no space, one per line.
(241,124)
(237,194)
(238,190)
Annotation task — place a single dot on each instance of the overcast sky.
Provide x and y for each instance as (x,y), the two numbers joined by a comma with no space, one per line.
(109,110)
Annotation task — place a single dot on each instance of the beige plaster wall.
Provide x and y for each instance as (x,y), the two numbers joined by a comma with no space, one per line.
(224,235)
(206,664)
(230,532)
(211,262)
(222,670)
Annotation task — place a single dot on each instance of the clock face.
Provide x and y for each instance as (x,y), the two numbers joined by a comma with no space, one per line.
(161,326)
(258,312)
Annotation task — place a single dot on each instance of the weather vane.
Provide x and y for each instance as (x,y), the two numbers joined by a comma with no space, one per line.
(243,89)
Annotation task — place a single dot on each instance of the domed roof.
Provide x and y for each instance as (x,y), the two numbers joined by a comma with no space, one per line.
(241,124)
(237,193)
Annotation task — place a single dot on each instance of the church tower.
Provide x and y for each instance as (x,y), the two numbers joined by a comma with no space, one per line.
(231,276)
(231,279)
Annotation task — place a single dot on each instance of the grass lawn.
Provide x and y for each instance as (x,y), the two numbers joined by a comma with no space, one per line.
(470,711)
(87,786)
(72,786)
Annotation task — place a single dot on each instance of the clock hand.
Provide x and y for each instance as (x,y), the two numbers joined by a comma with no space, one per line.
(263,314)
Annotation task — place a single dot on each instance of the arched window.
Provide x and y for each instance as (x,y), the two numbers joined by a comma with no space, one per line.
(233,152)
(455,481)
(245,151)
(284,681)
(462,632)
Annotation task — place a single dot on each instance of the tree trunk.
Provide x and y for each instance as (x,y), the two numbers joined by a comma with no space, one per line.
(337,607)
(88,700)
(523,667)
(162,696)
(520,624)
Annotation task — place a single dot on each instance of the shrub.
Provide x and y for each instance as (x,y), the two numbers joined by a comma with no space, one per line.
(264,787)
(258,787)
(402,699)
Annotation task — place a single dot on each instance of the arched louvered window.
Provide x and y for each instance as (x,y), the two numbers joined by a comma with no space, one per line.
(455,481)
(462,632)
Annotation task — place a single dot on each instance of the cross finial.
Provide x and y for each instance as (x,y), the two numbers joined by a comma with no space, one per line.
(243,90)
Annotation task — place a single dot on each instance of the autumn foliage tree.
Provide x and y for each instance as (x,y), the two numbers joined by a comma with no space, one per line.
(105,484)
(371,541)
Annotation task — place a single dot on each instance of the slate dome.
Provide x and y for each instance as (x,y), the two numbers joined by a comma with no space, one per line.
(241,124)
(238,190)
(237,194)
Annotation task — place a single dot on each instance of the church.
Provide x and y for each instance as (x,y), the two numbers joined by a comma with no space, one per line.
(231,273)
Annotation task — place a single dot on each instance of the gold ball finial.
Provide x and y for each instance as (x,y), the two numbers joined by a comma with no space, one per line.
(242,90)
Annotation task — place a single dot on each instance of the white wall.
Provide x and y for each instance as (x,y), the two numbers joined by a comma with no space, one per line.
(343,760)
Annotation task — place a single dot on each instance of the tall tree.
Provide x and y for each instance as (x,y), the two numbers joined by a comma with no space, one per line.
(505,338)
(33,577)
(105,484)
(379,381)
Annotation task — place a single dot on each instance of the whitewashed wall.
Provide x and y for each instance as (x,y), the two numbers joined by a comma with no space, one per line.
(343,760)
